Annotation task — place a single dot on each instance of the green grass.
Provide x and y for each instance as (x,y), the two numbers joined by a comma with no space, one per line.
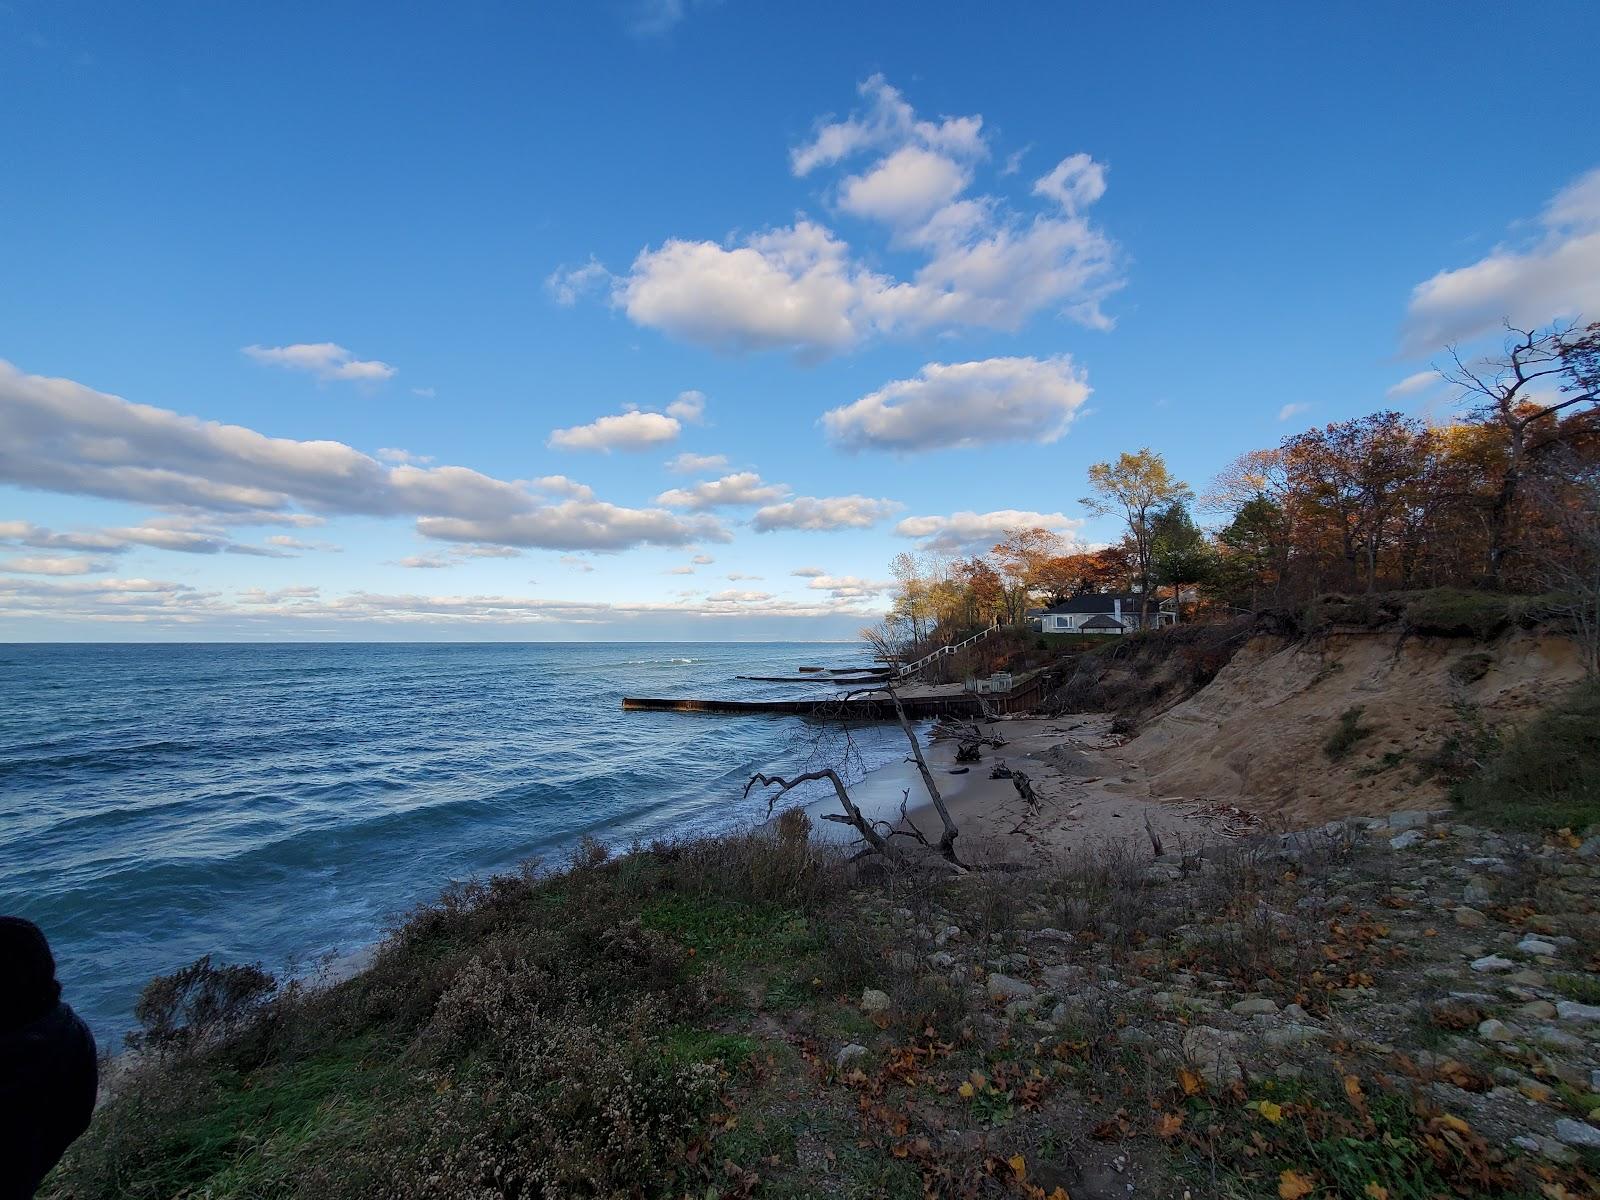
(231,1133)
(1585,989)
(725,930)
(732,1051)
(1547,774)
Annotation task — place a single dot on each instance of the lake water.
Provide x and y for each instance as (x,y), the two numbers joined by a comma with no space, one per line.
(278,803)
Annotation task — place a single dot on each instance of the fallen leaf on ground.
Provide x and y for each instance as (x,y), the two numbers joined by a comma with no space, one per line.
(1292,1185)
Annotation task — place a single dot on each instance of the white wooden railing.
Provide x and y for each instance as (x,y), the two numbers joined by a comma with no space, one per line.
(955,648)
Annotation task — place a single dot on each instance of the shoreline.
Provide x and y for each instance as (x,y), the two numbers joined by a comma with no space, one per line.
(1088,792)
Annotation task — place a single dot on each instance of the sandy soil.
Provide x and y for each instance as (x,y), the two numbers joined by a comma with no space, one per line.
(1089,790)
(1256,734)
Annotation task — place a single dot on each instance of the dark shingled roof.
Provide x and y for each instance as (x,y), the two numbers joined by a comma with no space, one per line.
(1101,622)
(1098,603)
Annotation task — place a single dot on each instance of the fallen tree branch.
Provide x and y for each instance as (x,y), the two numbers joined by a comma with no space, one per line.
(852,815)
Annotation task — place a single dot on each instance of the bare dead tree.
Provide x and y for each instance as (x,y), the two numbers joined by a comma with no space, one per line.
(851,816)
(879,639)
(1510,391)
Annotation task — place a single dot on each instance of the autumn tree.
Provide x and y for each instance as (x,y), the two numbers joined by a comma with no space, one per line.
(1135,487)
(1540,374)
(1350,475)
(983,593)
(1017,560)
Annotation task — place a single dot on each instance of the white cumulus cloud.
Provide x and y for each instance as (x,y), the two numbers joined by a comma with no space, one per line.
(823,513)
(964,404)
(730,491)
(59,436)
(1555,274)
(696,464)
(635,430)
(325,360)
(974,532)
(802,288)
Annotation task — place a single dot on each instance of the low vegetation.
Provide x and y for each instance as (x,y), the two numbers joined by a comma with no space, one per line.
(751,1017)
(1545,775)
(1346,733)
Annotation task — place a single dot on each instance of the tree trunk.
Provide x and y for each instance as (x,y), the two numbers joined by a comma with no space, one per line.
(947,840)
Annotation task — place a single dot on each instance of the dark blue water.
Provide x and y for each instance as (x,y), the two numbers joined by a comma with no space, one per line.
(278,803)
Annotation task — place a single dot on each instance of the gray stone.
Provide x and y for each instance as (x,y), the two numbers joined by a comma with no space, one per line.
(1558,1039)
(1255,1006)
(1021,1008)
(1292,1036)
(941,960)
(848,1054)
(1539,1010)
(1594,1080)
(1571,1010)
(1004,987)
(1062,977)
(1496,1031)
(1526,978)
(1413,819)
(1590,848)
(1533,945)
(1406,840)
(1492,964)
(1578,1133)
(1470,918)
(874,1001)
(1214,1055)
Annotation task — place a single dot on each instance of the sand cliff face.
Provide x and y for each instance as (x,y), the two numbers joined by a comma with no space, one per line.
(1257,734)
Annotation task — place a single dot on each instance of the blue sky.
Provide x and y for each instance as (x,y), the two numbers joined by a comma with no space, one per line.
(890,278)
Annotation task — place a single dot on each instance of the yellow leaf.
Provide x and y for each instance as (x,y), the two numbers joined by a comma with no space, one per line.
(1269,1110)
(1292,1185)
(1189,1081)
(1377,1191)
(1168,1124)
(965,1091)
(1059,1194)
(1019,1168)
(1352,1088)
(1454,1123)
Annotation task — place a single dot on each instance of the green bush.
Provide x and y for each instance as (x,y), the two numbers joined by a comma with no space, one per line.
(1447,612)
(530,1036)
(1547,774)
(1346,733)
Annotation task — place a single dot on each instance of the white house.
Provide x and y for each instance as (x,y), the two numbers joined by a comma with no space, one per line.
(1108,613)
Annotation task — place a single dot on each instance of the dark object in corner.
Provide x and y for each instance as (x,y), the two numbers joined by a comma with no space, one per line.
(48,1074)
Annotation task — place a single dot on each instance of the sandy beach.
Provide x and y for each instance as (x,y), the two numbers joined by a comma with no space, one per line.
(1088,791)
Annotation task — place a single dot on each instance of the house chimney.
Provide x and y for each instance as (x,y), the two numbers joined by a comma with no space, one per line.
(1117,607)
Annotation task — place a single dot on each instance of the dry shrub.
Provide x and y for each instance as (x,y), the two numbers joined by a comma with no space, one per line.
(199,1003)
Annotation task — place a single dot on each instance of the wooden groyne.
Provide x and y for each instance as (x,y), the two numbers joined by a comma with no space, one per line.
(856,708)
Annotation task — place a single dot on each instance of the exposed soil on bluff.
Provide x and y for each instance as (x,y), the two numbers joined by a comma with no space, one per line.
(1348,723)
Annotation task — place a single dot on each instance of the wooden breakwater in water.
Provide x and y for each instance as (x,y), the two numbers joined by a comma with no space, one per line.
(855,708)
